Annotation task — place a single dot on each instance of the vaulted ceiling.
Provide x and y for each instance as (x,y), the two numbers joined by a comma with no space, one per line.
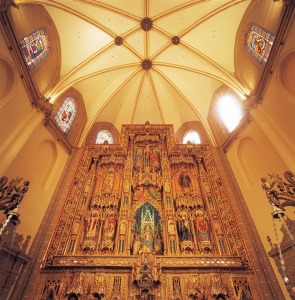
(154,60)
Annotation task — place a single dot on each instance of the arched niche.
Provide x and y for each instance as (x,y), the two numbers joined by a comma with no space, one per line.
(192,125)
(249,156)
(47,149)
(147,230)
(247,68)
(97,127)
(36,161)
(217,124)
(286,74)
(74,133)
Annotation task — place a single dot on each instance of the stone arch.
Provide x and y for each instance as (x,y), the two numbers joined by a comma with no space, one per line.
(248,150)
(49,143)
(74,133)
(92,134)
(194,125)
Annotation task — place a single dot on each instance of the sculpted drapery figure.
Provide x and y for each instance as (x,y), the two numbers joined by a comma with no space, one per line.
(147,239)
(184,226)
(155,159)
(185,182)
(136,244)
(109,180)
(110,226)
(92,223)
(203,234)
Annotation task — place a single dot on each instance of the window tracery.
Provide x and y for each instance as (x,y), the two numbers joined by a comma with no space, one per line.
(66,114)
(35,47)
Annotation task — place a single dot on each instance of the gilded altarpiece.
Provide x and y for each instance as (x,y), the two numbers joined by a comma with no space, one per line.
(147,219)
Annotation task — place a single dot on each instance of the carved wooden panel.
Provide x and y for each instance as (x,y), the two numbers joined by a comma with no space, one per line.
(142,211)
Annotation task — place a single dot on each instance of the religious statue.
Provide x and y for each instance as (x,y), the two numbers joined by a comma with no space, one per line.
(147,215)
(136,244)
(158,244)
(91,230)
(74,233)
(138,194)
(185,233)
(155,162)
(122,228)
(139,158)
(110,226)
(11,195)
(171,226)
(109,180)
(147,239)
(203,235)
(185,180)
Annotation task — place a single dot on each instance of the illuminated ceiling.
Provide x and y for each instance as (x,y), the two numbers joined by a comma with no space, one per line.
(139,60)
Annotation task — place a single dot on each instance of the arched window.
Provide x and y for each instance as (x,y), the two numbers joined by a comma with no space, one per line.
(66,114)
(230,111)
(191,136)
(258,43)
(35,47)
(104,136)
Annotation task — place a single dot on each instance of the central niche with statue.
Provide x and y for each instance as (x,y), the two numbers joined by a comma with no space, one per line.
(146,230)
(147,219)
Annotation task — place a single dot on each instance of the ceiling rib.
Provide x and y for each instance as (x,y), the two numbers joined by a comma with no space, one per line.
(108,100)
(160,51)
(129,47)
(233,85)
(156,96)
(146,8)
(146,45)
(137,98)
(131,31)
(80,79)
(110,8)
(210,15)
(165,33)
(178,8)
(72,12)
(212,63)
(179,93)
(79,67)
(187,101)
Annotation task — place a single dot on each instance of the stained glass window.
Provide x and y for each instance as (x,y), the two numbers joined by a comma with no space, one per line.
(66,114)
(104,136)
(35,47)
(230,111)
(259,43)
(191,136)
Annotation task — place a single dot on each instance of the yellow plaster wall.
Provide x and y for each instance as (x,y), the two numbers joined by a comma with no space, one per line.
(251,157)
(27,149)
